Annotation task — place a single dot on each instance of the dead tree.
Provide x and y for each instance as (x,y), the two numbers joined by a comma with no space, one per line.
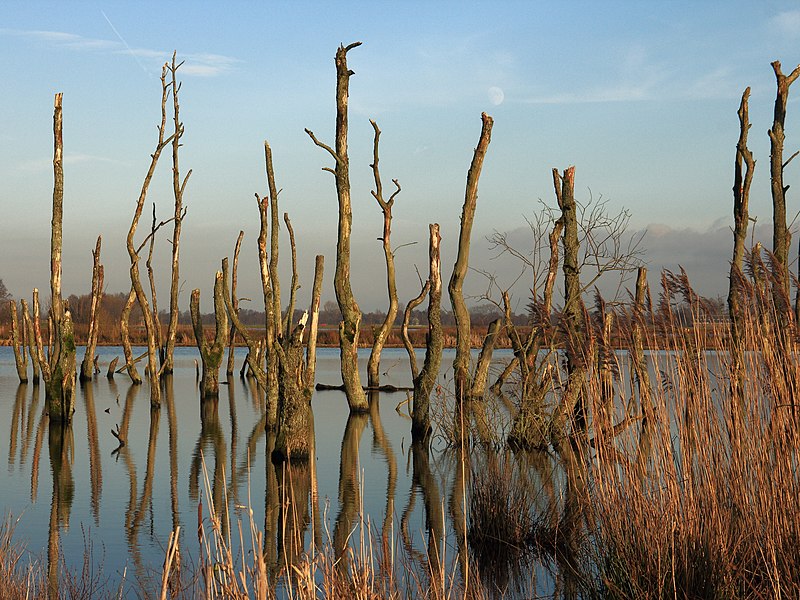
(178,189)
(484,360)
(571,403)
(296,383)
(271,372)
(58,367)
(253,363)
(133,252)
(27,324)
(87,367)
(295,285)
(434,342)
(127,348)
(211,354)
(18,339)
(412,304)
(374,362)
(316,294)
(234,303)
(351,313)
(744,165)
(639,371)
(455,287)
(780,233)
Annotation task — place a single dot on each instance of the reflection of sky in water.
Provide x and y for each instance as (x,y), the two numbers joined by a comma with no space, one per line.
(123,475)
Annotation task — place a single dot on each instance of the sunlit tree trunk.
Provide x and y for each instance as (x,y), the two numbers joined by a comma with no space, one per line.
(424,382)
(374,362)
(455,287)
(351,313)
(211,354)
(87,366)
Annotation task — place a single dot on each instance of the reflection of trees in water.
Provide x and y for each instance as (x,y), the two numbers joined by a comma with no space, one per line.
(211,438)
(95,462)
(349,497)
(423,481)
(138,508)
(172,424)
(17,418)
(60,444)
(380,442)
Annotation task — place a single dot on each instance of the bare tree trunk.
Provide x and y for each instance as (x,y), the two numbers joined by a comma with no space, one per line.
(412,304)
(112,367)
(211,354)
(60,375)
(287,328)
(455,288)
(351,314)
(780,234)
(311,349)
(273,243)
(178,188)
(639,369)
(373,364)
(234,303)
(484,360)
(18,342)
(97,296)
(127,350)
(30,337)
(574,309)
(133,252)
(252,361)
(295,419)
(424,382)
(744,165)
(271,373)
(151,278)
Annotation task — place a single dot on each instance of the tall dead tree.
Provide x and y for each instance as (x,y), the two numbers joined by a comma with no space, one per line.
(178,188)
(27,325)
(374,362)
(455,287)
(434,342)
(133,252)
(211,355)
(18,339)
(780,233)
(58,367)
(87,366)
(351,313)
(573,318)
(744,165)
(271,372)
(234,302)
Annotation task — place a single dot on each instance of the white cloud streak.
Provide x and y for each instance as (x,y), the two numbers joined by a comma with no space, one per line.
(195,64)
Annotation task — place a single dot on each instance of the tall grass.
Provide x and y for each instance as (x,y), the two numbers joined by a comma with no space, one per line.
(701,502)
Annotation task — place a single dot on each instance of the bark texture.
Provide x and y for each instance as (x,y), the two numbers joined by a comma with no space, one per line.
(87,366)
(374,362)
(58,368)
(351,314)
(18,343)
(211,354)
(424,382)
(780,233)
(455,287)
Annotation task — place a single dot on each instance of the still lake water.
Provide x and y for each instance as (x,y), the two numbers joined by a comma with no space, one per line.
(123,505)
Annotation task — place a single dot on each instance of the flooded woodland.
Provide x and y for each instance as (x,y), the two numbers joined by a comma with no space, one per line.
(640,445)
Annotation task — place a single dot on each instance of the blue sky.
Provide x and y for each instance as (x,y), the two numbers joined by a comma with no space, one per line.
(640,96)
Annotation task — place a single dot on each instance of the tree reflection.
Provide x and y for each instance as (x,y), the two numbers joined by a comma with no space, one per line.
(381,443)
(349,496)
(61,454)
(95,462)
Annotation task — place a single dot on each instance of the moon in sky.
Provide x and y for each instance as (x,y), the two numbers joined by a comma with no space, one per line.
(496,95)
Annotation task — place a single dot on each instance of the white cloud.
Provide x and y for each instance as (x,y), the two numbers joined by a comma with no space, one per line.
(195,64)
